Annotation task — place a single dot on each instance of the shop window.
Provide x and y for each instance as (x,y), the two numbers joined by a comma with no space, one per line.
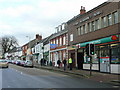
(115,53)
(95,58)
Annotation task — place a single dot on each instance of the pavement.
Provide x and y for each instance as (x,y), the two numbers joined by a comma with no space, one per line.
(113,79)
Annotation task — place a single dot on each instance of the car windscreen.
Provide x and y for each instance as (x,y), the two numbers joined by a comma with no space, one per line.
(3,61)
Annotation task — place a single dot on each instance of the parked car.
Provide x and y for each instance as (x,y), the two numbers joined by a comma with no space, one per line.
(9,61)
(22,63)
(18,62)
(3,64)
(14,61)
(28,63)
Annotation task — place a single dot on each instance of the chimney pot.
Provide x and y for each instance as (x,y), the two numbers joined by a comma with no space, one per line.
(39,37)
(82,10)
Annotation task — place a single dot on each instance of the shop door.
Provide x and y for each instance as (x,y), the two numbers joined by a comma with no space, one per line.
(104,60)
(73,59)
(80,60)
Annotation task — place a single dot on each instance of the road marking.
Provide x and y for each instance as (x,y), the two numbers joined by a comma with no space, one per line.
(116,86)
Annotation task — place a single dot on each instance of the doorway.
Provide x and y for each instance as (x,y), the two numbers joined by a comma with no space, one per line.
(73,59)
(104,59)
(80,60)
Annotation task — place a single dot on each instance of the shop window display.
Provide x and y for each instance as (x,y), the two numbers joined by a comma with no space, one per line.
(115,54)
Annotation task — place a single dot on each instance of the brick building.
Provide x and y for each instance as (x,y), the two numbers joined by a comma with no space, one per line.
(58,44)
(100,26)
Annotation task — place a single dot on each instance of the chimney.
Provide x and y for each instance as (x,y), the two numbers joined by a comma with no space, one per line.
(82,11)
(38,37)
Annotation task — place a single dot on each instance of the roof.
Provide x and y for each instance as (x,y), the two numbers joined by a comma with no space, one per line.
(79,15)
(58,34)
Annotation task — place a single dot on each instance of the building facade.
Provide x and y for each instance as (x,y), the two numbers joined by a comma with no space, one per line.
(58,44)
(0,47)
(100,26)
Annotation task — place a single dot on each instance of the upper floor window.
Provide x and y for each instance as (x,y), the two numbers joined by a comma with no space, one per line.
(115,15)
(109,19)
(54,41)
(104,21)
(57,41)
(78,30)
(60,41)
(64,39)
(84,29)
(89,27)
(93,26)
(59,28)
(51,42)
(97,26)
(63,26)
(71,37)
(81,30)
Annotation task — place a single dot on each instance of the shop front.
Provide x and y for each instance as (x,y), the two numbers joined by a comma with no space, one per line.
(106,57)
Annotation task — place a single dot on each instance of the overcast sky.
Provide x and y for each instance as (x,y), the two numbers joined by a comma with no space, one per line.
(22,18)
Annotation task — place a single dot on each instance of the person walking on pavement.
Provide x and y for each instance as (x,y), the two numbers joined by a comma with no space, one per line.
(70,63)
(65,63)
(58,62)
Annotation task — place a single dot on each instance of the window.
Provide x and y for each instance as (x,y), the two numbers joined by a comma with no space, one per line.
(63,26)
(57,42)
(115,53)
(64,40)
(109,19)
(104,21)
(54,41)
(60,41)
(78,30)
(97,24)
(93,26)
(81,30)
(71,37)
(89,27)
(115,15)
(84,29)
(59,28)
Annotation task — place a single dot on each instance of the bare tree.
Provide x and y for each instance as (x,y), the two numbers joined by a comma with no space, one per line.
(8,43)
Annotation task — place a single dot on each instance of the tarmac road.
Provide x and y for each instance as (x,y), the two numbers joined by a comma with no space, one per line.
(21,77)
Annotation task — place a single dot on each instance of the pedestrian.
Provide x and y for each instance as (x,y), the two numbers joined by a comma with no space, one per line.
(70,63)
(58,62)
(41,62)
(44,62)
(65,63)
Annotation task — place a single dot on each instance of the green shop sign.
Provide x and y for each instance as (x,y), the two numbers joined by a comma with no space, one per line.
(100,41)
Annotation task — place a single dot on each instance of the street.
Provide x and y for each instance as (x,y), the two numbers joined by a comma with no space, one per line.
(21,77)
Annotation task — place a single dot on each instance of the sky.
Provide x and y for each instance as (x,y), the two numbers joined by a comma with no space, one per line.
(21,18)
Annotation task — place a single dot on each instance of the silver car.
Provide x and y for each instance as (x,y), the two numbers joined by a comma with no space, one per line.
(3,64)
(28,63)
